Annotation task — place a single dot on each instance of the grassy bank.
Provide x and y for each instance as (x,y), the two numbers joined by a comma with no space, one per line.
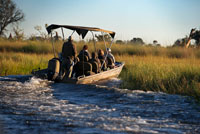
(21,63)
(170,70)
(169,75)
(174,76)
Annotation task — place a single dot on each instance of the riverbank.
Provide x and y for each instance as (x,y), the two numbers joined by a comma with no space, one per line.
(169,70)
(160,74)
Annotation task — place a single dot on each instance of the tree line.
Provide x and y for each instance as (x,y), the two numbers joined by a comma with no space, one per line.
(11,15)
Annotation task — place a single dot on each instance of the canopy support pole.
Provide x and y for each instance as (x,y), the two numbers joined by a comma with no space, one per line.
(106,50)
(63,34)
(111,43)
(107,53)
(104,39)
(94,42)
(53,45)
(72,32)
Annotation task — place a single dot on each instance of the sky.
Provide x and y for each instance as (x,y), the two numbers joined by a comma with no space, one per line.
(161,20)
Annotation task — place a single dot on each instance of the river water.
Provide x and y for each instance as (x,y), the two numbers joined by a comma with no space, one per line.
(35,106)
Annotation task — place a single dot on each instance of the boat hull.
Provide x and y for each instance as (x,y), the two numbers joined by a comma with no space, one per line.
(112,73)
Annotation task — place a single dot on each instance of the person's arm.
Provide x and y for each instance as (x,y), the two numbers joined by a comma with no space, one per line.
(74,51)
(89,55)
(63,47)
(113,58)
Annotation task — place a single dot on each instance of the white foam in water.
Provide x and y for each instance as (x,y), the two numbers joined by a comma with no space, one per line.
(113,82)
(35,106)
(37,81)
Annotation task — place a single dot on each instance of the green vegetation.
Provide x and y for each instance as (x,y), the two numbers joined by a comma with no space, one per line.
(174,76)
(171,70)
(21,63)
(45,47)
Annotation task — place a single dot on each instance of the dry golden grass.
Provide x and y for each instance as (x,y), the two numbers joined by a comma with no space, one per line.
(21,63)
(170,70)
(170,75)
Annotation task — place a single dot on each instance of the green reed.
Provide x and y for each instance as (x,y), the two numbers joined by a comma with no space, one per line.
(174,76)
(170,70)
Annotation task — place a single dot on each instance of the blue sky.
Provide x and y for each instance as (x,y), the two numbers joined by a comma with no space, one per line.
(161,20)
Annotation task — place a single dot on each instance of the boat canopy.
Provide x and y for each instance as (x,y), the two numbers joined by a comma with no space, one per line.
(79,29)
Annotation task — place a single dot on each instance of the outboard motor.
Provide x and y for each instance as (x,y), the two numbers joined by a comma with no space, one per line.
(53,69)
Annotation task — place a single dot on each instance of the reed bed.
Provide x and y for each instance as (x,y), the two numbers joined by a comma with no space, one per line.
(41,47)
(22,63)
(161,74)
(170,70)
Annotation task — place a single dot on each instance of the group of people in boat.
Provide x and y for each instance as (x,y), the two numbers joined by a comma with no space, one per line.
(84,63)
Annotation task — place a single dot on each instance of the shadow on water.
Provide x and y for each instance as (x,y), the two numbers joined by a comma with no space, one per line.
(31,105)
(1,128)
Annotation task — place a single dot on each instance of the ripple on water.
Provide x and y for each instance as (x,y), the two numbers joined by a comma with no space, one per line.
(39,106)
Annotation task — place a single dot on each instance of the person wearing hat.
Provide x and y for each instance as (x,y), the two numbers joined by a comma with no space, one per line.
(68,56)
(110,55)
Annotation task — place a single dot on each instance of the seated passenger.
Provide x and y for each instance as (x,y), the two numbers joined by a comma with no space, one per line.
(110,59)
(110,55)
(102,59)
(101,55)
(94,60)
(84,52)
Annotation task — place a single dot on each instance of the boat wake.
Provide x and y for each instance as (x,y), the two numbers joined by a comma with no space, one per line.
(32,105)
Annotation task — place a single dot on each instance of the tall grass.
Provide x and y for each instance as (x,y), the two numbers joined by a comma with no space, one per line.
(41,47)
(26,46)
(170,70)
(21,63)
(174,76)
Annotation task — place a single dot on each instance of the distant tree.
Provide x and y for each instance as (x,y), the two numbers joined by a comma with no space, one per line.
(195,34)
(181,42)
(9,14)
(185,42)
(119,42)
(155,42)
(158,45)
(42,34)
(10,37)
(177,43)
(150,45)
(38,28)
(19,33)
(137,41)
(100,37)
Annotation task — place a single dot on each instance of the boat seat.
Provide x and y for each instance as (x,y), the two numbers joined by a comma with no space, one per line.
(83,68)
(110,64)
(95,66)
(83,58)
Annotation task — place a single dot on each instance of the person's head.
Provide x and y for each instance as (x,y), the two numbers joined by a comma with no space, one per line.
(108,50)
(101,52)
(94,55)
(70,38)
(85,47)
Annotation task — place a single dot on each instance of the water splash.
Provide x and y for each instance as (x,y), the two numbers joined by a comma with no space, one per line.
(40,106)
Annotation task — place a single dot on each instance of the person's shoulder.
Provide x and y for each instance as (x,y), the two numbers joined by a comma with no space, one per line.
(65,43)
